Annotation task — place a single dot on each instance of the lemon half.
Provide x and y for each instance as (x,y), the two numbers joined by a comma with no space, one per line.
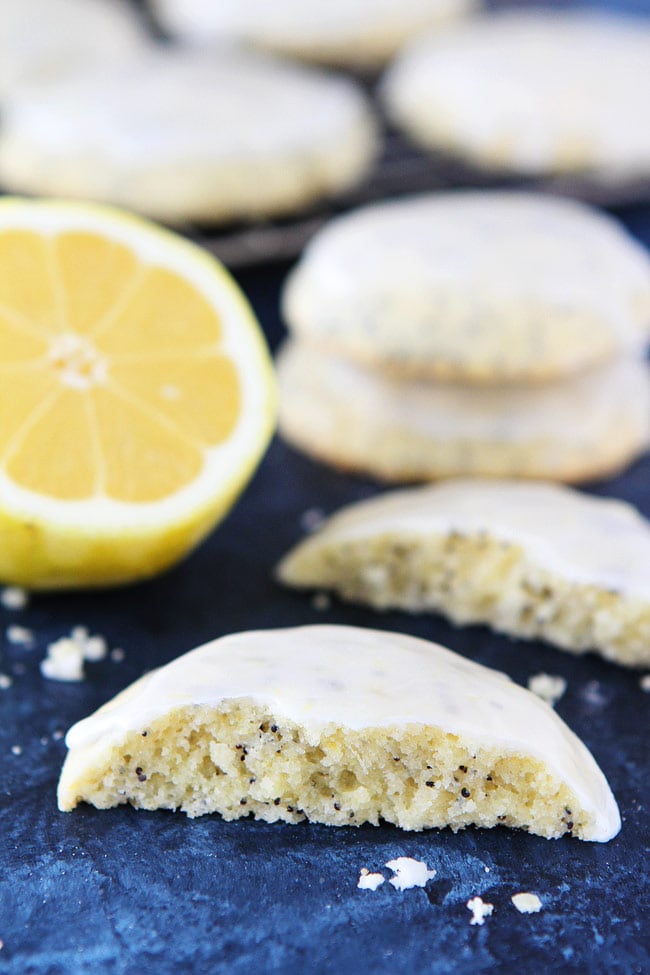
(136,395)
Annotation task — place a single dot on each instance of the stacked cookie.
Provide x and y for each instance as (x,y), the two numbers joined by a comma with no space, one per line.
(469,333)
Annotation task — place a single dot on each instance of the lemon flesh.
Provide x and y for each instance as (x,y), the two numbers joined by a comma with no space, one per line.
(137,395)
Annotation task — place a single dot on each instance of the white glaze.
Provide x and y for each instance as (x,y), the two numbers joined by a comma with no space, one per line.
(324,676)
(532,90)
(173,105)
(579,537)
(473,280)
(44,39)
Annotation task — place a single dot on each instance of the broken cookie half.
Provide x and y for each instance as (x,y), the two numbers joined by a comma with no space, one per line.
(339,725)
(531,560)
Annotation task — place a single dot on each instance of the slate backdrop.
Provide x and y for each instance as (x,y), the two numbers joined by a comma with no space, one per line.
(123,891)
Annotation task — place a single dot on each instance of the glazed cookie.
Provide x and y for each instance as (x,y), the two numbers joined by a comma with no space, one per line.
(360,420)
(343,726)
(190,137)
(531,91)
(358,33)
(483,287)
(531,560)
(42,40)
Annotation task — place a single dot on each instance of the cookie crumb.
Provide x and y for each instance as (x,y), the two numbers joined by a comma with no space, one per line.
(370,881)
(409,873)
(527,903)
(66,656)
(375,575)
(94,648)
(64,661)
(5,682)
(480,910)
(14,597)
(312,519)
(19,635)
(321,601)
(16,750)
(117,655)
(594,694)
(547,686)
(644,682)
(57,735)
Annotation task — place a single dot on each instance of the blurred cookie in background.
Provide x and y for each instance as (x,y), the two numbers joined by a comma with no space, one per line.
(41,39)
(474,287)
(189,137)
(357,33)
(532,92)
(359,419)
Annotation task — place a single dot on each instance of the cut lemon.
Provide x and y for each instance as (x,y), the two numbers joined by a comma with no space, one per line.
(136,395)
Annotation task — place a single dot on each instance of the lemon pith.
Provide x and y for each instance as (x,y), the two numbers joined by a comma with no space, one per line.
(137,395)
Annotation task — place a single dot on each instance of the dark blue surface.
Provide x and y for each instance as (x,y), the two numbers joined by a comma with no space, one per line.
(124,891)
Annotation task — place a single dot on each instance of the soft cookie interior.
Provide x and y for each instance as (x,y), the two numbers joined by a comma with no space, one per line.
(475,577)
(241,759)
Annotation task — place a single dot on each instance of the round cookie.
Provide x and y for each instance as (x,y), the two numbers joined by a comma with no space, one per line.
(483,287)
(531,91)
(306,723)
(360,420)
(190,137)
(359,33)
(41,40)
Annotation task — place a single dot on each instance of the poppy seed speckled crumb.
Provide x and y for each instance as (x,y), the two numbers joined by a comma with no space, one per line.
(478,552)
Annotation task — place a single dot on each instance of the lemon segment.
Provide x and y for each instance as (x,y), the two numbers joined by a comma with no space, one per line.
(23,391)
(160,303)
(18,345)
(27,286)
(95,274)
(146,459)
(138,395)
(58,429)
(175,388)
